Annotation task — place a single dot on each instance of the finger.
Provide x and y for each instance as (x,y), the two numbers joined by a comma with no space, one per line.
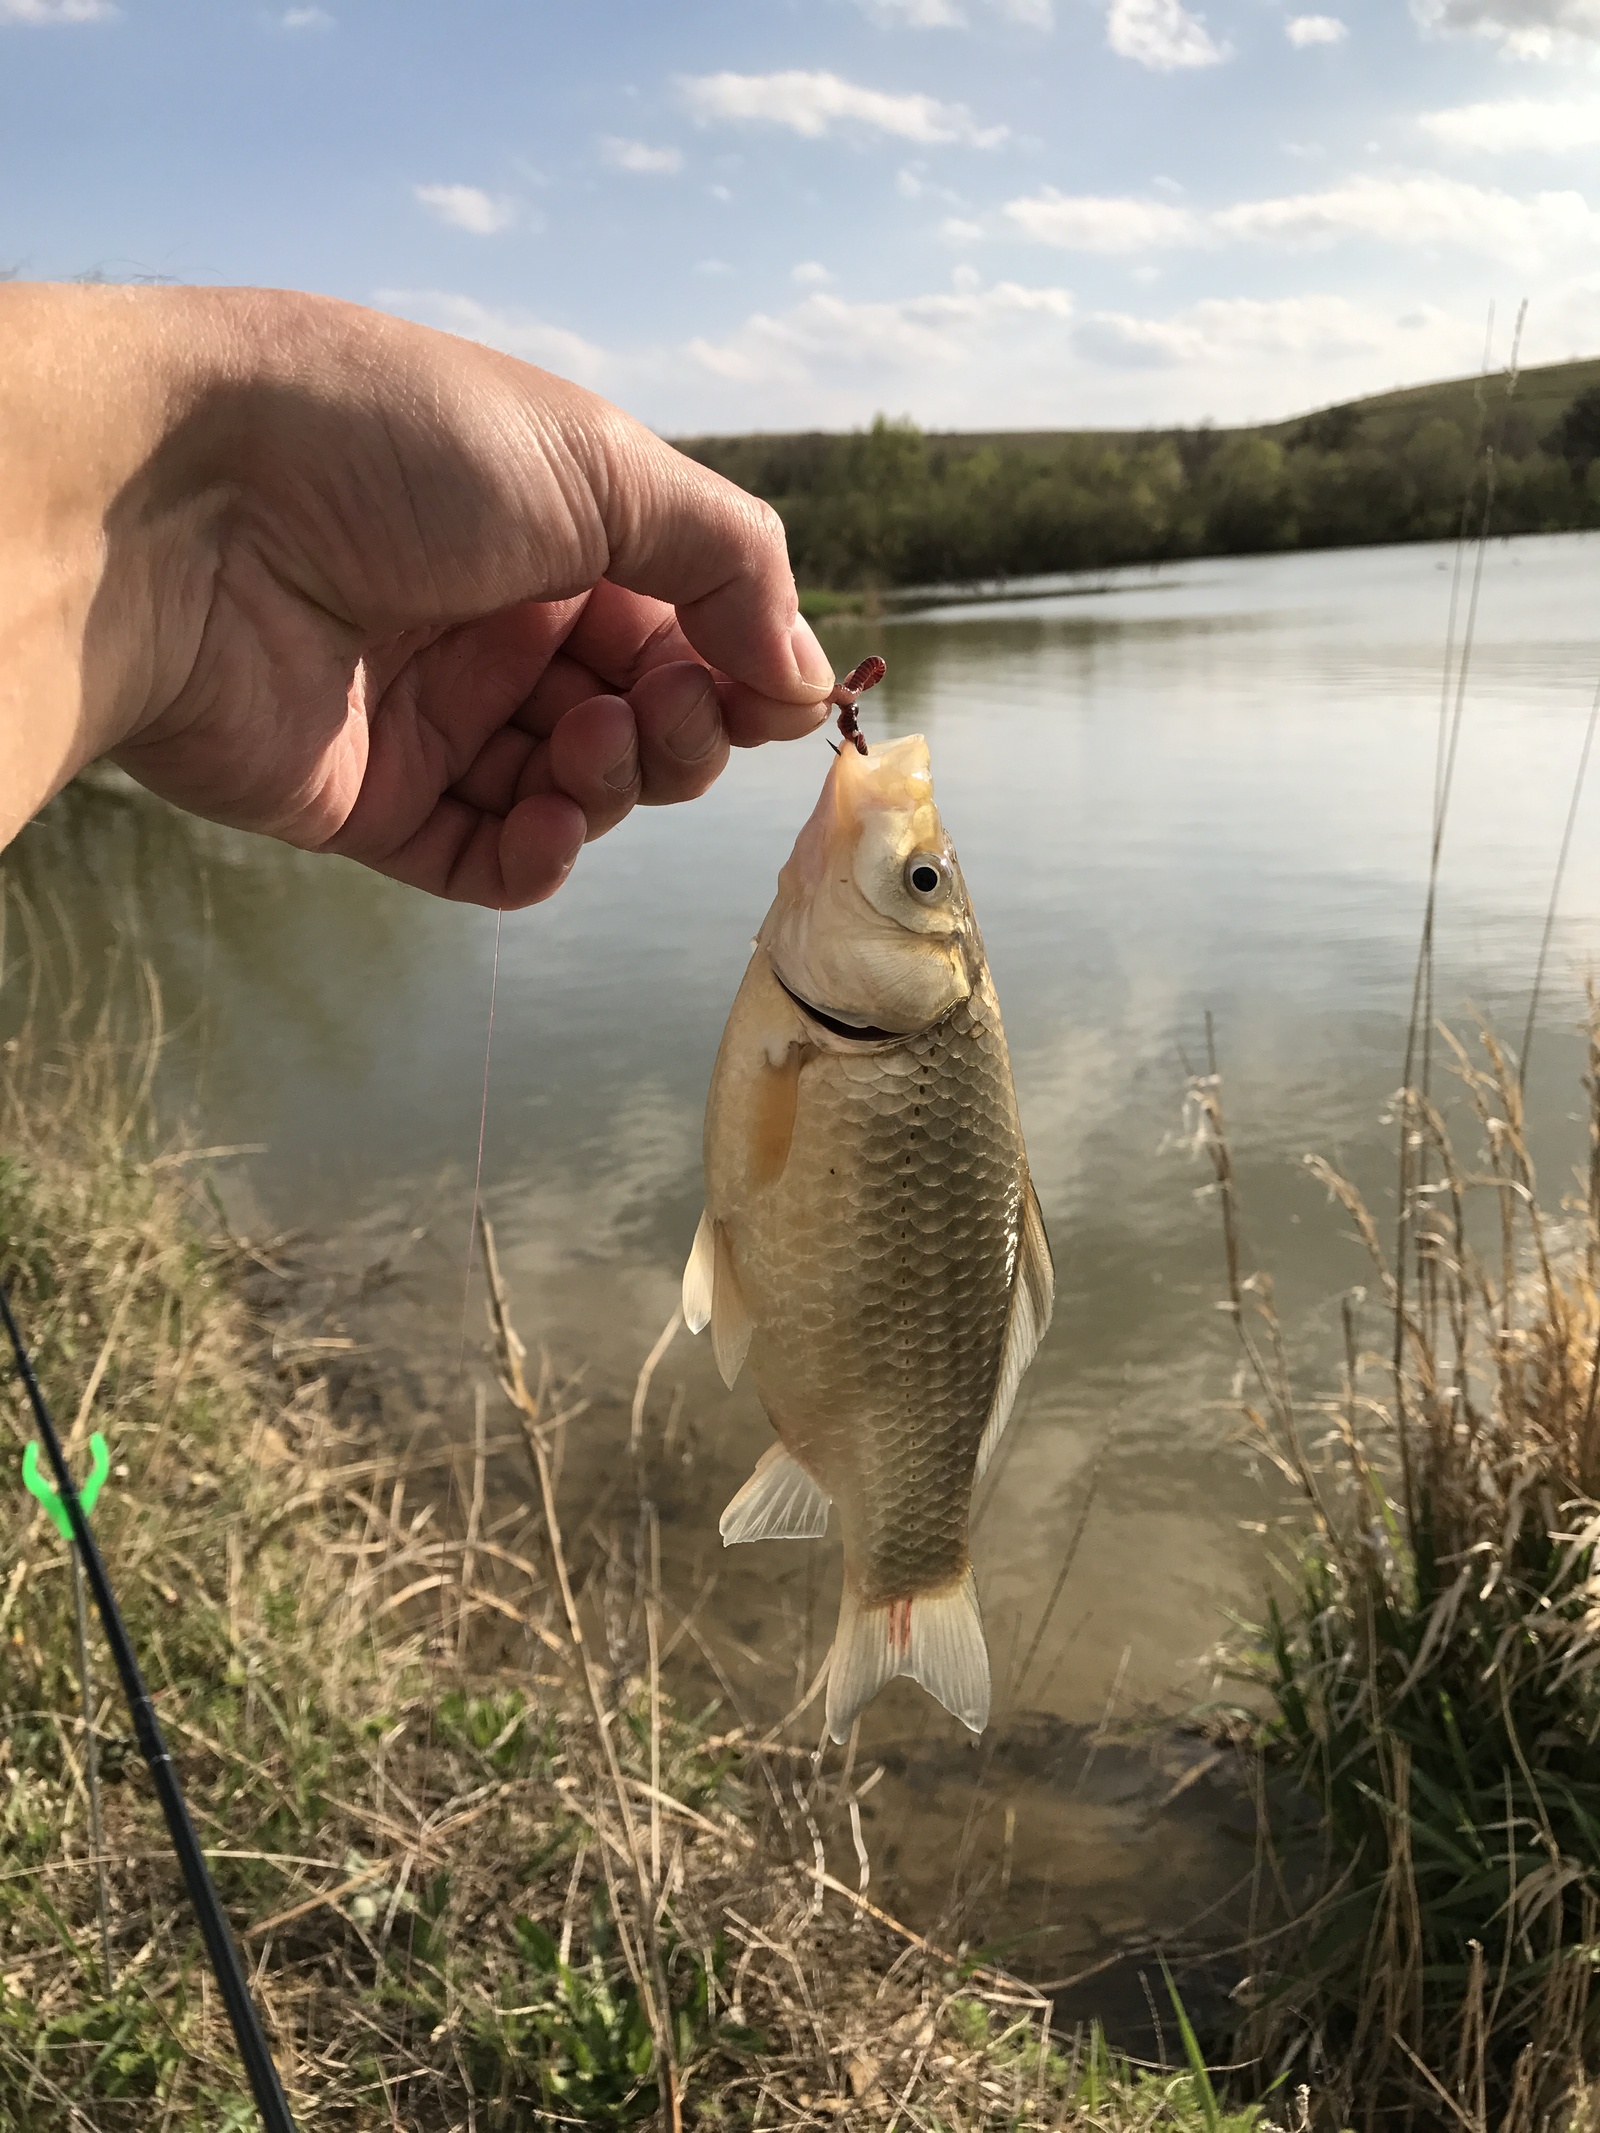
(468,682)
(622,635)
(564,683)
(593,757)
(493,781)
(683,742)
(475,858)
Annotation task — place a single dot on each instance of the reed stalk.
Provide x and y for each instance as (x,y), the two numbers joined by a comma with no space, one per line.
(1424,1951)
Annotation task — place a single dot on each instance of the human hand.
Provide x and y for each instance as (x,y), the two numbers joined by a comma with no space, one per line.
(378,591)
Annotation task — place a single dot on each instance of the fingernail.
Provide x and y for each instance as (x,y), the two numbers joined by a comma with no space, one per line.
(696,733)
(625,770)
(811,661)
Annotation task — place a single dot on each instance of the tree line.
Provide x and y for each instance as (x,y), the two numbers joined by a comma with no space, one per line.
(893,505)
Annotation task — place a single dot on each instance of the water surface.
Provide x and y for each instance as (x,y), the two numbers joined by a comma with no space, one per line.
(1200,790)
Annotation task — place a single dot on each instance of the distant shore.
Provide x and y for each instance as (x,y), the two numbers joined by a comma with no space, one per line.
(875,511)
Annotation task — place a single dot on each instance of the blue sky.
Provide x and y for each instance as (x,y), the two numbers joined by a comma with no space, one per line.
(785,213)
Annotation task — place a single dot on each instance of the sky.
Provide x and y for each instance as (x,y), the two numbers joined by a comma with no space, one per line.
(782,214)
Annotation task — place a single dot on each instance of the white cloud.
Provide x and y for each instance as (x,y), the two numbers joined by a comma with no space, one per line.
(956,229)
(826,338)
(1303,30)
(466,207)
(815,104)
(1161,34)
(948,15)
(1529,29)
(1554,124)
(912,182)
(40,14)
(714,267)
(639,158)
(305,18)
(952,359)
(810,274)
(915,14)
(1086,222)
(1222,330)
(1423,210)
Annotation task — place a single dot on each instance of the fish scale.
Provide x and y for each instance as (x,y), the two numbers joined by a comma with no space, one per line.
(879,1279)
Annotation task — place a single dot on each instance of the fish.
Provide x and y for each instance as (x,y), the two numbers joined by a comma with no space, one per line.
(872,1247)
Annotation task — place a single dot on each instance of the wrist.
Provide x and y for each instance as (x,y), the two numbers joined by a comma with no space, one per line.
(103,541)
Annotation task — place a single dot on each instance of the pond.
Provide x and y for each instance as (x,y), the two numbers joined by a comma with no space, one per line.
(1198,790)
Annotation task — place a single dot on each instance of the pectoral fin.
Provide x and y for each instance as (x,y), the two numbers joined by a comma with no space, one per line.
(699,1276)
(780,1501)
(731,1323)
(712,1296)
(1033,1291)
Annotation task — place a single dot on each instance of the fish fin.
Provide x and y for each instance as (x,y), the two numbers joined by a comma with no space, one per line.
(731,1323)
(1033,1292)
(780,1501)
(864,1657)
(698,1277)
(948,1653)
(935,1637)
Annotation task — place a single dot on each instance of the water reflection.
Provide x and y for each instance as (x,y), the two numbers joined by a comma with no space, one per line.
(1202,789)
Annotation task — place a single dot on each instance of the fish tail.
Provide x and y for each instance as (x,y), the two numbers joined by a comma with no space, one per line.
(935,1637)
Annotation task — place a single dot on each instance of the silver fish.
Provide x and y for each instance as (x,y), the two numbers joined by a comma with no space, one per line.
(871,1242)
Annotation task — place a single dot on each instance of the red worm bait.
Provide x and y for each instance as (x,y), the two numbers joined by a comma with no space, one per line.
(845,693)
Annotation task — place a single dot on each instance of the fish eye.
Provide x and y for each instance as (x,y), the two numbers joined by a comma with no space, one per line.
(926,876)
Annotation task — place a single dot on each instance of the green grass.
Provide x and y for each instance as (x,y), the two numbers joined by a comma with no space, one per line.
(1543,393)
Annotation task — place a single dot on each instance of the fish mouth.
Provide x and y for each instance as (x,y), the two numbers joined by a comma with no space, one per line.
(866,1035)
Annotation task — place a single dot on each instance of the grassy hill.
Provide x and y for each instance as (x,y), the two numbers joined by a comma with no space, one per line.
(1541,397)
(895,506)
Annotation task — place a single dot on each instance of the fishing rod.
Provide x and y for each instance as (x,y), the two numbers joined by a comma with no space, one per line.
(254,2050)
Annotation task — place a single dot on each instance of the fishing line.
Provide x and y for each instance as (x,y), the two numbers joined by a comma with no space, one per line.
(483,1125)
(438,1645)
(265,2087)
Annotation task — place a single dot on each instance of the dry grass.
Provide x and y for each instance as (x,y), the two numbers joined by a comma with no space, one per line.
(1428,1958)
(487,1875)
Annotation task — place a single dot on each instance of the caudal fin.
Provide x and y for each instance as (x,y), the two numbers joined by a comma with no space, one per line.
(935,1637)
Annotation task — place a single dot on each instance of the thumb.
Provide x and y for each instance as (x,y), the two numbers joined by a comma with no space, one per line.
(680,533)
